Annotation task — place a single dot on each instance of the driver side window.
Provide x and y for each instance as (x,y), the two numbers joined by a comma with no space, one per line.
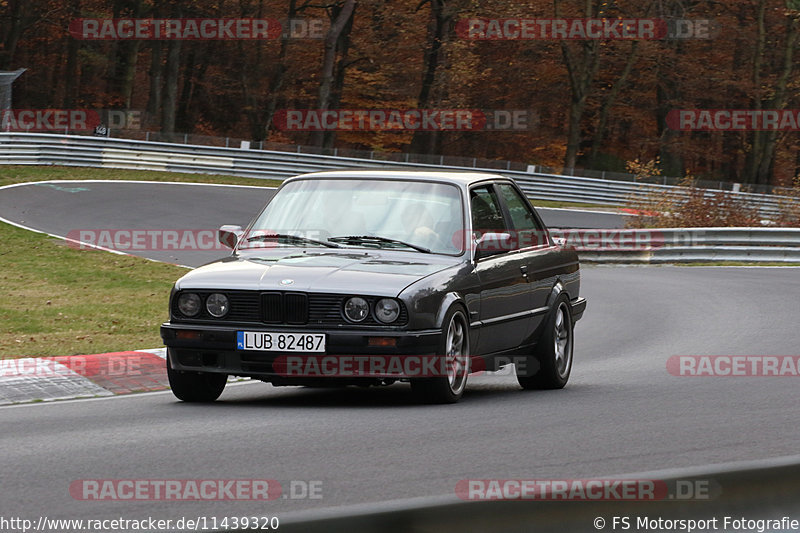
(487,215)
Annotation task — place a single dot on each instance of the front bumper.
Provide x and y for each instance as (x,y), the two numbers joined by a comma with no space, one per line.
(213,348)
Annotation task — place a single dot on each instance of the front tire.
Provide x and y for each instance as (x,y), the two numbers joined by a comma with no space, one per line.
(552,355)
(454,345)
(196,386)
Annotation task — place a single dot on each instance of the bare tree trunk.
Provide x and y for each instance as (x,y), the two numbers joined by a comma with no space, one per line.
(122,69)
(669,92)
(338,81)
(425,142)
(156,75)
(581,74)
(194,72)
(71,68)
(341,14)
(732,167)
(278,76)
(761,160)
(251,72)
(756,139)
(609,101)
(170,99)
(11,31)
(779,101)
(20,15)
(611,97)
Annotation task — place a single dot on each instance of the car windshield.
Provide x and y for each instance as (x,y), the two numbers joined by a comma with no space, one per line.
(396,214)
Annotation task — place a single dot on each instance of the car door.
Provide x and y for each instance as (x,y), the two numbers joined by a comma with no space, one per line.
(537,255)
(504,316)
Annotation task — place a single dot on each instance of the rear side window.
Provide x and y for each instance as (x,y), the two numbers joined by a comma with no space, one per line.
(526,227)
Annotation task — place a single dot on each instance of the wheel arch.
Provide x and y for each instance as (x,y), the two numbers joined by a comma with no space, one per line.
(450,299)
(555,292)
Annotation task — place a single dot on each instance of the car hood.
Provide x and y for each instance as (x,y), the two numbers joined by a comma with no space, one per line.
(380,273)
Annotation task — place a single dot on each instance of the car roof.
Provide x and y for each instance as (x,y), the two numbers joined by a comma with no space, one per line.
(455,177)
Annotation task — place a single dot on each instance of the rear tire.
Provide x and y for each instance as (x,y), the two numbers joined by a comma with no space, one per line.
(552,355)
(454,345)
(196,387)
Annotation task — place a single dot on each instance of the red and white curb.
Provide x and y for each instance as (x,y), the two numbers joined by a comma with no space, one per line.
(82,376)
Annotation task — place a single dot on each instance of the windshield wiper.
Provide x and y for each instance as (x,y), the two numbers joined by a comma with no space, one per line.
(361,239)
(292,238)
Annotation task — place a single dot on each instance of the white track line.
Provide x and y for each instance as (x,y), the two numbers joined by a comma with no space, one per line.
(140,182)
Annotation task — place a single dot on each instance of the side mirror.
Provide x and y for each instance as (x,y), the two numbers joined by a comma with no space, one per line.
(493,244)
(229,235)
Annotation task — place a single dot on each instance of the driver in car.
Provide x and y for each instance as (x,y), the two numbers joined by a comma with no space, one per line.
(419,222)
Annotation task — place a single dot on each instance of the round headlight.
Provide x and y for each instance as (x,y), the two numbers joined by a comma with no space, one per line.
(387,310)
(356,309)
(189,304)
(217,305)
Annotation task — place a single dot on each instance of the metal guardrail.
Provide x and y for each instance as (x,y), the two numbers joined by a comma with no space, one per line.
(675,245)
(682,245)
(426,159)
(764,490)
(75,150)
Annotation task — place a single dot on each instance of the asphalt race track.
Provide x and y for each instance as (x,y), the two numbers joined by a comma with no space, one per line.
(61,207)
(64,206)
(622,411)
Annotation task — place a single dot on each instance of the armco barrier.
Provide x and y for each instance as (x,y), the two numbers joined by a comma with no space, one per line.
(681,245)
(74,150)
(755,491)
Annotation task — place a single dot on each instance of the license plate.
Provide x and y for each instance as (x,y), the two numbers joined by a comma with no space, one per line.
(268,341)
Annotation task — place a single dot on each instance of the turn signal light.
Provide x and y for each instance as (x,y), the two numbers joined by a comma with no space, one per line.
(382,341)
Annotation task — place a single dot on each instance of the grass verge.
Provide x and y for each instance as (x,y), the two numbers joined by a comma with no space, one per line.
(63,301)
